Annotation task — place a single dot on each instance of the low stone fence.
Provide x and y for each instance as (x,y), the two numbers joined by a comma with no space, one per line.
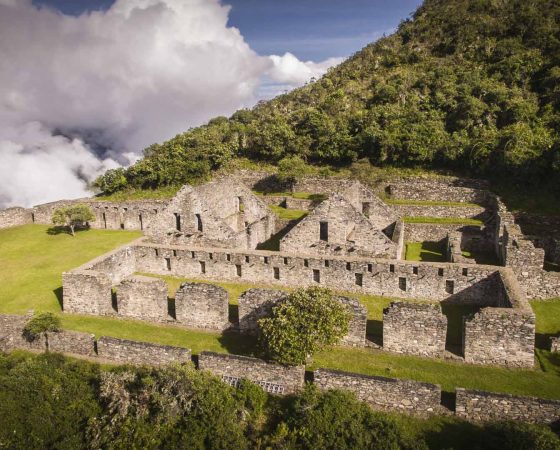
(387,394)
(71,342)
(273,378)
(487,406)
(134,352)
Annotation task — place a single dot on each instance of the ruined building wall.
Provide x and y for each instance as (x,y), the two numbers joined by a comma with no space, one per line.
(13,217)
(504,335)
(463,212)
(385,394)
(255,304)
(345,231)
(414,328)
(143,298)
(449,189)
(273,378)
(402,279)
(487,406)
(201,305)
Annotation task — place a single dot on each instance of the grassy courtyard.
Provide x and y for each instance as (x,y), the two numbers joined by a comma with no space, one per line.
(32,262)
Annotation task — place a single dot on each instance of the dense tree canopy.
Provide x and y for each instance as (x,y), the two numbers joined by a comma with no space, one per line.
(471,85)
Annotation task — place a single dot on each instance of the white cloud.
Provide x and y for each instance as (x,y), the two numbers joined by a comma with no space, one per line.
(289,70)
(116,81)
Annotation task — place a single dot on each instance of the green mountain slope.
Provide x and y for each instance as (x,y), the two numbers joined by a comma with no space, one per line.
(467,85)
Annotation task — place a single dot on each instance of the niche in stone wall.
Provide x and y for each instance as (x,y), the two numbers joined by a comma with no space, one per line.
(276,273)
(198,222)
(402,283)
(177,221)
(316,276)
(449,286)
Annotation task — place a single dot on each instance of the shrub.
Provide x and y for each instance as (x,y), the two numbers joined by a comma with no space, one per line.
(306,322)
(41,323)
(519,436)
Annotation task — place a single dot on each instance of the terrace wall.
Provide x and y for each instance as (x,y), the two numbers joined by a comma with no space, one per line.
(143,353)
(386,394)
(273,378)
(487,406)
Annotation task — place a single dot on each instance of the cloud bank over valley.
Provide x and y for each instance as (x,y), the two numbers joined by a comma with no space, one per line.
(79,95)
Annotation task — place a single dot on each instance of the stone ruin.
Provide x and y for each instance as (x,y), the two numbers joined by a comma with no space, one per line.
(352,241)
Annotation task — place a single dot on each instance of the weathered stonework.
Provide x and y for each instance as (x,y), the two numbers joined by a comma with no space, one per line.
(385,394)
(336,227)
(143,298)
(414,328)
(13,217)
(11,334)
(273,378)
(255,304)
(87,292)
(142,353)
(201,305)
(71,342)
(555,344)
(487,406)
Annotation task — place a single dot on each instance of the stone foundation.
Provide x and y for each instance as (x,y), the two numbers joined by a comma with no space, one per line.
(416,329)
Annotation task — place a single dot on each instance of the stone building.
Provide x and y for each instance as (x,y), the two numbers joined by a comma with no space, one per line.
(222,213)
(336,227)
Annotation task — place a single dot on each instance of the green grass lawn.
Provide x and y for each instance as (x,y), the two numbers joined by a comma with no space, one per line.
(298,195)
(32,262)
(288,214)
(443,220)
(424,251)
(161,193)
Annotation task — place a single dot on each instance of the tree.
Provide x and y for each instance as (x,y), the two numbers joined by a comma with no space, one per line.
(41,323)
(305,322)
(291,169)
(111,181)
(73,216)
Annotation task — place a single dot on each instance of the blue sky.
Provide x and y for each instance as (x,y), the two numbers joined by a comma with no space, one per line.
(310,29)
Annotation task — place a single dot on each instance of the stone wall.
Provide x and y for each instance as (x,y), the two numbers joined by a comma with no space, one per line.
(436,281)
(386,394)
(463,212)
(71,342)
(273,378)
(431,232)
(133,352)
(487,406)
(336,227)
(414,328)
(11,334)
(555,344)
(202,305)
(144,298)
(255,304)
(13,217)
(449,189)
(87,292)
(504,335)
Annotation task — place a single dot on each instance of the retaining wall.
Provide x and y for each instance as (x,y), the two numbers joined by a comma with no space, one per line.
(487,406)
(142,353)
(386,394)
(273,378)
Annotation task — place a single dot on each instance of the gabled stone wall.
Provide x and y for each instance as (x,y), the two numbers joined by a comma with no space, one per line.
(273,378)
(487,406)
(201,305)
(385,394)
(414,328)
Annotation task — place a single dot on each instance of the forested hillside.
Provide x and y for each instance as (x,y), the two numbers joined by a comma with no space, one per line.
(466,85)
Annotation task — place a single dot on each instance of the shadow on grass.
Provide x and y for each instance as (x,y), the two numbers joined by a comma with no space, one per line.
(459,435)
(428,251)
(58,294)
(239,344)
(54,231)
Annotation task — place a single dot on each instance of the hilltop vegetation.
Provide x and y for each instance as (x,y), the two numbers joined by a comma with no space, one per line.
(467,85)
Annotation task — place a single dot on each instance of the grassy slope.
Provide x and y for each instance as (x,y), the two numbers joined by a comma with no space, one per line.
(288,214)
(32,262)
